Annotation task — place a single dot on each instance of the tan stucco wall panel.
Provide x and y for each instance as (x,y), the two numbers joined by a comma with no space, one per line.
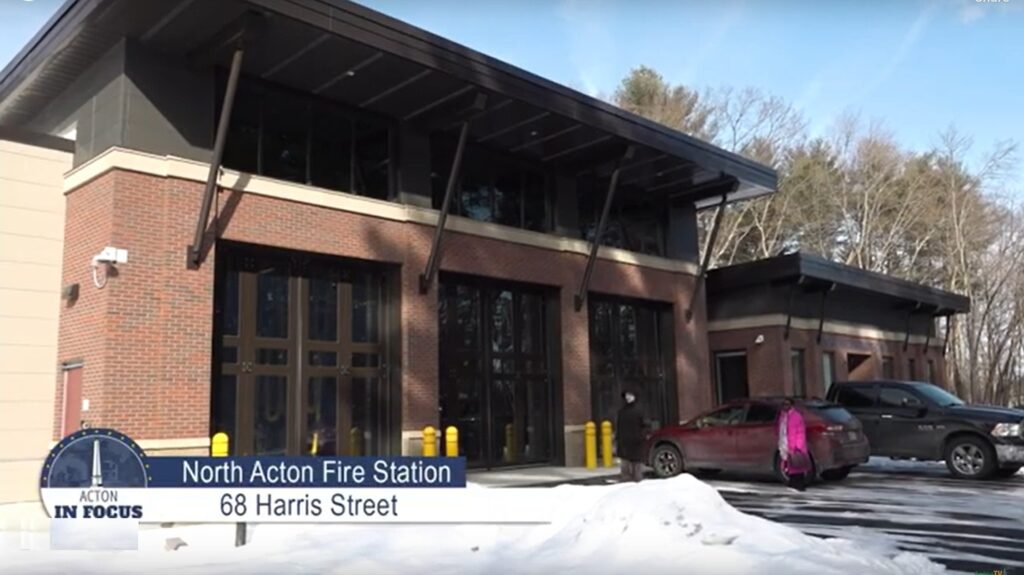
(17,303)
(25,443)
(32,223)
(15,248)
(27,330)
(17,274)
(28,386)
(21,480)
(31,250)
(29,357)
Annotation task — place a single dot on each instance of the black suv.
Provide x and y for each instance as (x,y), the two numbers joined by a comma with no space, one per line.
(917,420)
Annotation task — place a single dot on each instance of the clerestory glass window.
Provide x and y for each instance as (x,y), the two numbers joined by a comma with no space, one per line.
(490,187)
(288,135)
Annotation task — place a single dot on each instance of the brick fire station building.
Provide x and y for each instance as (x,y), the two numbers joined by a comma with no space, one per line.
(331,227)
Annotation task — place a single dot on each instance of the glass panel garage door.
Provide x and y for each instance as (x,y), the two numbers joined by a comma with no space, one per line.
(495,385)
(300,359)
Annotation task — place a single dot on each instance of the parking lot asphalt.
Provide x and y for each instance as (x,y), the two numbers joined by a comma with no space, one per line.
(968,526)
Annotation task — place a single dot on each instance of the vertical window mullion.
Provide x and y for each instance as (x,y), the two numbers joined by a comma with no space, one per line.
(352,158)
(522,200)
(259,134)
(309,142)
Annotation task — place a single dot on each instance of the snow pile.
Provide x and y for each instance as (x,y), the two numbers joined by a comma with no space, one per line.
(671,526)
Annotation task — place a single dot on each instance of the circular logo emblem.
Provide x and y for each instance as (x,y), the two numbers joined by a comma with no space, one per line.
(95,458)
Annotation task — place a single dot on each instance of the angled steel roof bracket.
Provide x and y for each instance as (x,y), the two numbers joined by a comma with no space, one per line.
(945,342)
(195,250)
(712,237)
(928,335)
(434,259)
(595,244)
(910,314)
(241,30)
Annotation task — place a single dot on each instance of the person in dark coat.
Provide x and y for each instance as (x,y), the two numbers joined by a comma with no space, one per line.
(630,433)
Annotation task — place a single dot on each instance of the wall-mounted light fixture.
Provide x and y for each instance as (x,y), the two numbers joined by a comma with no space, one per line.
(69,293)
(759,339)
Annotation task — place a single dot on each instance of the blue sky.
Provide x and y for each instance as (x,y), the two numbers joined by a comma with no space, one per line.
(916,65)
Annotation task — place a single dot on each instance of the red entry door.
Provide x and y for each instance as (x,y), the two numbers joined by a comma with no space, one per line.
(72,401)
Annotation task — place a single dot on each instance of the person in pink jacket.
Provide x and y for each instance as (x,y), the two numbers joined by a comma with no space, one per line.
(794,456)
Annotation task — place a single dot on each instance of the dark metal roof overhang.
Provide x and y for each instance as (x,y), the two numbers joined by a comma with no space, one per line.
(814,273)
(354,55)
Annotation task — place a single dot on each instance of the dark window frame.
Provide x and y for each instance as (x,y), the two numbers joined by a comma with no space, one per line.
(545,353)
(647,212)
(476,156)
(716,355)
(653,363)
(827,383)
(356,119)
(300,268)
(888,367)
(795,353)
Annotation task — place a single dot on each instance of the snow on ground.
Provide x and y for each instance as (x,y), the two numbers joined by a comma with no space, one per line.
(909,464)
(652,527)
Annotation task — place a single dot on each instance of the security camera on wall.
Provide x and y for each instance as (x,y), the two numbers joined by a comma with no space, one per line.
(110,255)
(759,339)
(107,258)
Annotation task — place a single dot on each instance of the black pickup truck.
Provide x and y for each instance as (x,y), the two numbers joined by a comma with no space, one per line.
(917,420)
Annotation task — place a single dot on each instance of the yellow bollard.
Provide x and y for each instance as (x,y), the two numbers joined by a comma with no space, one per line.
(451,441)
(316,443)
(590,445)
(219,445)
(429,441)
(355,441)
(219,448)
(606,443)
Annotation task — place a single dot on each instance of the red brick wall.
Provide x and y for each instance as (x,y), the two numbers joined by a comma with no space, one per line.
(769,370)
(146,338)
(88,226)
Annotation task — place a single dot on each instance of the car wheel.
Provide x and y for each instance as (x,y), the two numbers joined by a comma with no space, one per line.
(1007,472)
(837,474)
(812,476)
(666,460)
(970,457)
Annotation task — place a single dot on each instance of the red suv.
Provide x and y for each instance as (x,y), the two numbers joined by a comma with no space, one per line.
(742,436)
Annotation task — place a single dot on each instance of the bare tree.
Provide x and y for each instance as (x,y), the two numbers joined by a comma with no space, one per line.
(859,197)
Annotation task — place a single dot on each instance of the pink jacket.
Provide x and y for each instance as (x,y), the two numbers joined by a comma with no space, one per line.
(793,438)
